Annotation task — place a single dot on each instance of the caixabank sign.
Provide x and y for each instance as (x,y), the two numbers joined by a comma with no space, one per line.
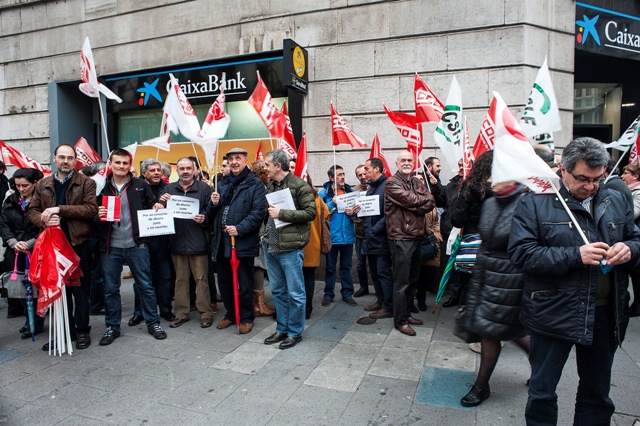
(607,32)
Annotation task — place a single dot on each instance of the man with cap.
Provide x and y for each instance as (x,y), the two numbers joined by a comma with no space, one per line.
(238,209)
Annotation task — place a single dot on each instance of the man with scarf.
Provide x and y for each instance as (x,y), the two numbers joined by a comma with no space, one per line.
(238,210)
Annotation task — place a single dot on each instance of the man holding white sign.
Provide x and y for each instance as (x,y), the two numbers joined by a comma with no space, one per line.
(190,244)
(121,242)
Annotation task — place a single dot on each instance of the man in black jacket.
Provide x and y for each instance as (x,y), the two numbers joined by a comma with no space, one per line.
(575,293)
(122,243)
(238,209)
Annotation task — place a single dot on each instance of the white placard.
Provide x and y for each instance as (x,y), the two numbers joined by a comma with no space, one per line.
(155,222)
(183,207)
(284,200)
(347,200)
(369,205)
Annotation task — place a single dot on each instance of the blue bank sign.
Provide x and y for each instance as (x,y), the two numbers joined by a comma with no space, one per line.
(607,32)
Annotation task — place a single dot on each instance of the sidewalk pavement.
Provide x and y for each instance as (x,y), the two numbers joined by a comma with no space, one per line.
(342,373)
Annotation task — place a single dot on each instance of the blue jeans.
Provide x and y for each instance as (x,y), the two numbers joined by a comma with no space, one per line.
(138,260)
(548,356)
(380,267)
(361,264)
(287,289)
(346,252)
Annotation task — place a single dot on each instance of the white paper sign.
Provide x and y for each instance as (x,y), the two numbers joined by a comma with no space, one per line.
(369,205)
(284,200)
(155,222)
(183,207)
(347,201)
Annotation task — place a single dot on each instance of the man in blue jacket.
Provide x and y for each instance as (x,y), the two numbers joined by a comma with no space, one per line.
(122,243)
(575,293)
(238,209)
(343,236)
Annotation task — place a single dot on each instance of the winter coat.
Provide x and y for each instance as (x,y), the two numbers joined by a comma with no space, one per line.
(559,290)
(406,201)
(191,238)
(295,236)
(450,195)
(139,196)
(465,211)
(312,249)
(495,290)
(375,227)
(343,230)
(432,227)
(79,209)
(246,212)
(15,226)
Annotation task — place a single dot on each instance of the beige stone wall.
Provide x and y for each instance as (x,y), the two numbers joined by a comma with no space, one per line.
(361,54)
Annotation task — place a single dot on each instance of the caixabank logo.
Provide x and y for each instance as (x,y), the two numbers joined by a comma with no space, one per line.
(608,32)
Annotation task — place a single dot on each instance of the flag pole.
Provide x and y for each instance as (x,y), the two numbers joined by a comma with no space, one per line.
(571,216)
(618,163)
(157,153)
(104,124)
(199,162)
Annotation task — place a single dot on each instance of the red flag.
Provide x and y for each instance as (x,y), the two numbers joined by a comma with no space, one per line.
(484,141)
(428,106)
(301,159)
(10,155)
(287,142)
(85,155)
(341,133)
(259,156)
(634,158)
(376,152)
(409,128)
(467,155)
(273,118)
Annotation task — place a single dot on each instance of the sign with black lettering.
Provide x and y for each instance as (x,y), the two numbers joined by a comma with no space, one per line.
(155,222)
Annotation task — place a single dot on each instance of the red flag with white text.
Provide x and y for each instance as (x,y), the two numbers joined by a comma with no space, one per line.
(467,155)
(302,165)
(85,154)
(409,128)
(428,106)
(12,156)
(272,117)
(341,133)
(484,141)
(376,152)
(634,157)
(288,142)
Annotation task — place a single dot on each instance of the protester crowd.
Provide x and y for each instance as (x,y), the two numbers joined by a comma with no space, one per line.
(524,271)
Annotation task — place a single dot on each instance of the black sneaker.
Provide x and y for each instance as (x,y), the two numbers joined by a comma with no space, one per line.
(326,301)
(109,336)
(476,395)
(157,332)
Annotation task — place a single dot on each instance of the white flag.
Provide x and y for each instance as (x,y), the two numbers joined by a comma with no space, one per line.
(514,157)
(450,131)
(179,109)
(541,116)
(628,137)
(131,149)
(217,121)
(161,142)
(90,85)
(209,148)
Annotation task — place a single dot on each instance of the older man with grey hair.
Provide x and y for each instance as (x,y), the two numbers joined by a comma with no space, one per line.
(575,292)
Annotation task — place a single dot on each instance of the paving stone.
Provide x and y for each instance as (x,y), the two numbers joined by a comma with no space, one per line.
(343,368)
(9,375)
(308,352)
(363,339)
(312,405)
(161,414)
(328,329)
(7,355)
(398,363)
(248,358)
(455,356)
(420,341)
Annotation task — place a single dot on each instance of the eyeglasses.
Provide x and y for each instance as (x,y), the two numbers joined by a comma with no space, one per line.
(584,180)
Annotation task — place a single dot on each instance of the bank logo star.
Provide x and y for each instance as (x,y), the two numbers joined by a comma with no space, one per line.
(149,90)
(588,27)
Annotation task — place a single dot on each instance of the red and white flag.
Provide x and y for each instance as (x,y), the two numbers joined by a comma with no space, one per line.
(302,165)
(467,156)
(634,157)
(484,141)
(12,156)
(272,117)
(85,154)
(428,106)
(217,121)
(514,157)
(376,152)
(163,141)
(287,143)
(100,178)
(177,106)
(409,127)
(341,133)
(90,85)
(259,156)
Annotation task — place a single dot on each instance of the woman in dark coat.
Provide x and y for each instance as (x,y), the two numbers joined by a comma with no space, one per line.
(495,290)
(18,233)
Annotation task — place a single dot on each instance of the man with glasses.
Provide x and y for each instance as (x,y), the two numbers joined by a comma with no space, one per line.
(68,199)
(575,293)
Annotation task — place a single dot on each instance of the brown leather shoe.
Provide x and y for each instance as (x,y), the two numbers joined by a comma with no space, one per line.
(372,308)
(178,322)
(406,329)
(415,321)
(381,313)
(245,327)
(224,323)
(206,322)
